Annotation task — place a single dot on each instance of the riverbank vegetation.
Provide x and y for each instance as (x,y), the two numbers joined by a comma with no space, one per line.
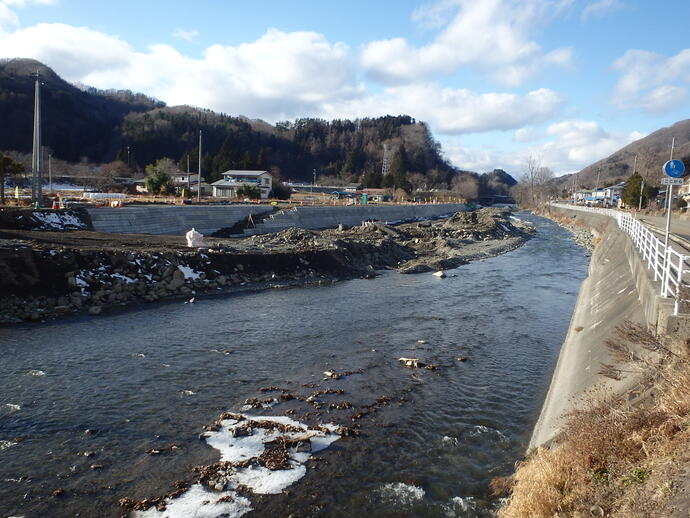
(619,456)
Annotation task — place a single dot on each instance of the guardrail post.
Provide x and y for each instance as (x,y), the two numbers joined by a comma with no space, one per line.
(665,276)
(679,283)
(656,260)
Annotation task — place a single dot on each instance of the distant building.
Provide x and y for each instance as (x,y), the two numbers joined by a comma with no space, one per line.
(140,185)
(184,179)
(353,187)
(614,193)
(603,197)
(206,189)
(378,195)
(582,195)
(233,180)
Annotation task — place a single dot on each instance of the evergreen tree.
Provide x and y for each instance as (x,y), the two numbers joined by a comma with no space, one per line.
(631,193)
(398,171)
(193,156)
(372,180)
(208,174)
(246,163)
(157,180)
(8,167)
(261,162)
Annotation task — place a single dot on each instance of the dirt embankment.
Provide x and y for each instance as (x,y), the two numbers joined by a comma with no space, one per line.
(47,274)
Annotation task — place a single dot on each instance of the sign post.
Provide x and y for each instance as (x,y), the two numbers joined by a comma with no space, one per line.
(673,169)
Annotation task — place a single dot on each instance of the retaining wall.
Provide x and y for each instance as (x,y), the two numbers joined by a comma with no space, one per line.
(315,218)
(171,220)
(657,309)
(619,288)
(607,298)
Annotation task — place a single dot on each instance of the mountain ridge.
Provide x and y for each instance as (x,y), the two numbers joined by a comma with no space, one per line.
(84,123)
(652,152)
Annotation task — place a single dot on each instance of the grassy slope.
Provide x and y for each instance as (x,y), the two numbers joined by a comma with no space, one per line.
(619,456)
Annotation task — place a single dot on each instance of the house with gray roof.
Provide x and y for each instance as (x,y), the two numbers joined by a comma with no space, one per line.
(234,179)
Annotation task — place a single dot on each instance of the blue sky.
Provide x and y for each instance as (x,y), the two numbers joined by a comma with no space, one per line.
(567,81)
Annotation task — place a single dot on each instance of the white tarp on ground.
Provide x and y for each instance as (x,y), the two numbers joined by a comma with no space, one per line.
(104,195)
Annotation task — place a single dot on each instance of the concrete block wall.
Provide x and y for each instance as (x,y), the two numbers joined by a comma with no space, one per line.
(316,218)
(658,311)
(171,220)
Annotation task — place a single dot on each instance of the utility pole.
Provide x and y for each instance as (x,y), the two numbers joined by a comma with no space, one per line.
(50,173)
(596,190)
(128,165)
(313,182)
(36,177)
(189,178)
(198,185)
(669,200)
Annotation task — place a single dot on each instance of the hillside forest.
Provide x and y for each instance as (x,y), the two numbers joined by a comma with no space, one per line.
(86,125)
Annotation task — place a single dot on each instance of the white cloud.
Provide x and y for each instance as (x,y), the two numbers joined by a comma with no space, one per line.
(455,111)
(22,3)
(571,146)
(577,144)
(491,35)
(74,52)
(8,18)
(280,75)
(187,35)
(600,8)
(526,134)
(481,159)
(651,81)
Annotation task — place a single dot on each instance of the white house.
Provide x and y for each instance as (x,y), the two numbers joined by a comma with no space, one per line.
(184,179)
(582,195)
(232,180)
(614,193)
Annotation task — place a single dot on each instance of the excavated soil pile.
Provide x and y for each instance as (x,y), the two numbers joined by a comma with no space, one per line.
(44,274)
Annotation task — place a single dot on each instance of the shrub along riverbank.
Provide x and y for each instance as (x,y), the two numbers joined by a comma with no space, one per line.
(619,456)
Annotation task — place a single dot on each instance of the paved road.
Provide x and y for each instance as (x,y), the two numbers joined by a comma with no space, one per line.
(680,229)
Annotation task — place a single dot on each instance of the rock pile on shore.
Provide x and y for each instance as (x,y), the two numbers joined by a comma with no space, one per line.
(45,275)
(582,236)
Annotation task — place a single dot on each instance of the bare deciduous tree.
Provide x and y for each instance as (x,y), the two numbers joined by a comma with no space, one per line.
(534,182)
(465,186)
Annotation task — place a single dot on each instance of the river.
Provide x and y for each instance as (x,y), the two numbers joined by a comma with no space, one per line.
(114,386)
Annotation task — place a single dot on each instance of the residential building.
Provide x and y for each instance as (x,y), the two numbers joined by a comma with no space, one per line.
(233,180)
(184,179)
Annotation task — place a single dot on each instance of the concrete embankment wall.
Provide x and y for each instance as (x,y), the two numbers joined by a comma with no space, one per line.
(607,298)
(171,220)
(658,311)
(315,218)
(619,288)
(208,219)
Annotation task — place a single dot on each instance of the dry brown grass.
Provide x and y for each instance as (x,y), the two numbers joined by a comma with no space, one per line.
(614,455)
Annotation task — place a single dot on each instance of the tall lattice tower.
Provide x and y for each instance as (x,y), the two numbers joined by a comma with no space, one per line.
(385,169)
(36,162)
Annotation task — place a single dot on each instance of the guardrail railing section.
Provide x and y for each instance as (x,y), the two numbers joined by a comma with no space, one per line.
(671,268)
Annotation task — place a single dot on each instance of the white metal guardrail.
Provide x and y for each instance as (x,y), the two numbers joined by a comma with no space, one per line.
(671,268)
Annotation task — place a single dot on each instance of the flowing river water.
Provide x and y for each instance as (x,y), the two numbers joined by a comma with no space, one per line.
(114,386)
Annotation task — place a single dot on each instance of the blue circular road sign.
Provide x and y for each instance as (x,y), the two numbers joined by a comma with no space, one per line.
(674,168)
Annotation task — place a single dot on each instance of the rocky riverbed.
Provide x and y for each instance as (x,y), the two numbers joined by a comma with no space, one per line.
(583,235)
(45,275)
